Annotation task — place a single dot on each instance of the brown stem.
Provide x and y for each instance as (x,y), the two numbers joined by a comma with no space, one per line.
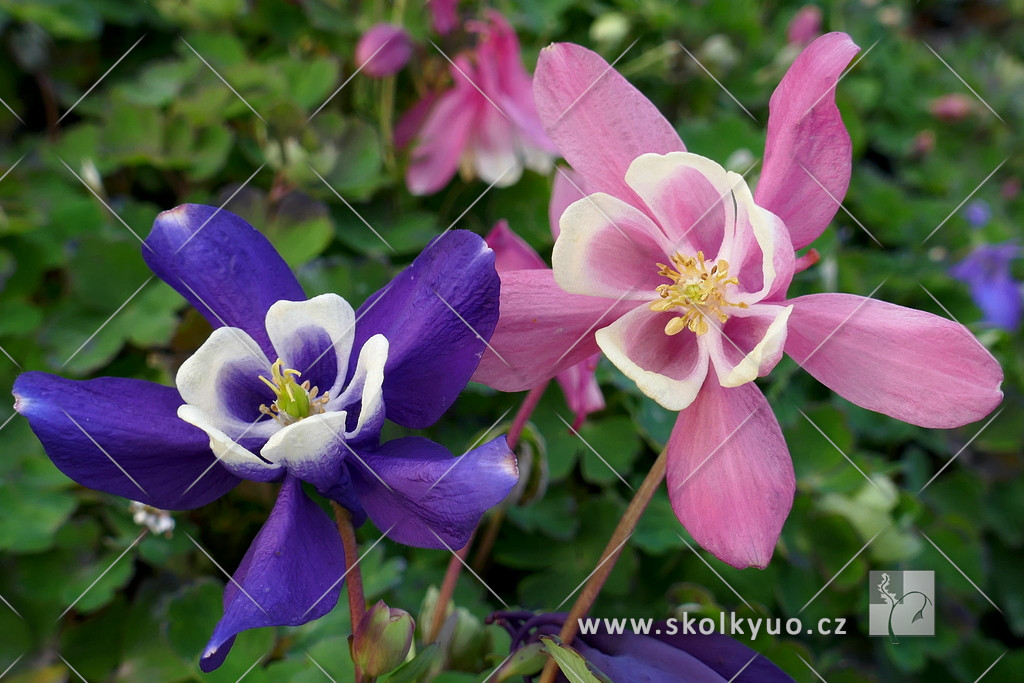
(451,574)
(487,540)
(353,577)
(609,557)
(451,578)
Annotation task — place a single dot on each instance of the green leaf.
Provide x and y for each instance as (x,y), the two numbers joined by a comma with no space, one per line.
(572,663)
(300,228)
(415,669)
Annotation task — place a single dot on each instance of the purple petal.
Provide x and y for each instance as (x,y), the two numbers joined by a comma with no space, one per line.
(725,655)
(436,315)
(122,436)
(290,574)
(640,659)
(222,266)
(414,489)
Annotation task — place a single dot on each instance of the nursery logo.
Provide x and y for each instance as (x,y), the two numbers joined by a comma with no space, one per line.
(901,603)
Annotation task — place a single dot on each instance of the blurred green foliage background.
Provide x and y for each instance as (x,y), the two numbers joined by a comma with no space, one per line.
(115,110)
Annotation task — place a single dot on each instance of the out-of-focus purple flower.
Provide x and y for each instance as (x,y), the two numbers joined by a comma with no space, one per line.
(951,107)
(664,655)
(579,386)
(805,26)
(406,351)
(986,270)
(486,125)
(443,17)
(978,213)
(383,50)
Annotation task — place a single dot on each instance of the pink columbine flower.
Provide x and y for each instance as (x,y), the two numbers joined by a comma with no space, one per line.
(678,272)
(383,50)
(486,125)
(579,386)
(805,26)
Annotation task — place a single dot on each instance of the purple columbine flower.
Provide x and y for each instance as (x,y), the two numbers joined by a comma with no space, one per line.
(665,654)
(986,270)
(291,390)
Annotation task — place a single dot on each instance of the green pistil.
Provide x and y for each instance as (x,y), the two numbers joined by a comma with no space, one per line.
(293,401)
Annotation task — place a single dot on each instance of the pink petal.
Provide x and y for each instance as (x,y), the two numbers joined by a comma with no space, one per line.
(609,248)
(750,343)
(494,150)
(730,478)
(597,120)
(568,187)
(669,369)
(508,83)
(704,208)
(690,196)
(411,122)
(911,365)
(511,252)
(443,139)
(805,131)
(541,330)
(581,390)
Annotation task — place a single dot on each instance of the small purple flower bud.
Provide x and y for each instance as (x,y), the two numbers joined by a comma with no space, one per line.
(383,639)
(978,213)
(383,50)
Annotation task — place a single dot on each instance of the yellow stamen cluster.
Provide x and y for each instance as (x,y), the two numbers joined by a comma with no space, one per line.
(700,292)
(294,401)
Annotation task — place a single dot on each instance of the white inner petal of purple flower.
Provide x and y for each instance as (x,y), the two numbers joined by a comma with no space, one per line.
(294,413)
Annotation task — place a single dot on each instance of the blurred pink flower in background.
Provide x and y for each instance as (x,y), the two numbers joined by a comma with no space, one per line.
(579,386)
(443,17)
(951,107)
(383,50)
(486,125)
(805,26)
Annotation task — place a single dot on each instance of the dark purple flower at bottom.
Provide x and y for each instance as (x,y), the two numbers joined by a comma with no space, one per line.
(986,270)
(664,655)
(291,390)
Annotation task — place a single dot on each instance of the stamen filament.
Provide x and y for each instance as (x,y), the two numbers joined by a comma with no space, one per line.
(695,289)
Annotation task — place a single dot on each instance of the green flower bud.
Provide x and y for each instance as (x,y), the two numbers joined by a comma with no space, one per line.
(383,639)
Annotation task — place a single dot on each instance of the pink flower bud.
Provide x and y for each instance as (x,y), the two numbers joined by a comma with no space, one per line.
(383,50)
(443,17)
(805,26)
(952,107)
